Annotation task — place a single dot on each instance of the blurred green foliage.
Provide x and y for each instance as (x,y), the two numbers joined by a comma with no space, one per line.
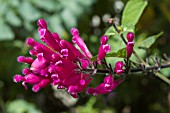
(138,94)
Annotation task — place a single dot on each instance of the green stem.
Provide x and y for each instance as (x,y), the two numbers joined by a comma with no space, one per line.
(165,79)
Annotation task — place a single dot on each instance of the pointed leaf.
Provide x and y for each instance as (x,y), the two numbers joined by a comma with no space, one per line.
(150,40)
(132,12)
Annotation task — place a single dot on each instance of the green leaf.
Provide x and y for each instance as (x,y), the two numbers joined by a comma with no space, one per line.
(28,12)
(119,54)
(68,18)
(5,32)
(111,31)
(132,12)
(21,106)
(150,40)
(12,18)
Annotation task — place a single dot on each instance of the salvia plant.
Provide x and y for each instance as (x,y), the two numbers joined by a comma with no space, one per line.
(72,67)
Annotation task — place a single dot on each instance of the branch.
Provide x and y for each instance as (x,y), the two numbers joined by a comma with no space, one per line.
(133,70)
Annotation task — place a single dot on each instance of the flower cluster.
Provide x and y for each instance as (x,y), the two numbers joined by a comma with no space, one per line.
(129,47)
(58,62)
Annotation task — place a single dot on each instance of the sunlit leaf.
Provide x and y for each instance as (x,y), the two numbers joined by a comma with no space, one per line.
(133,11)
(111,31)
(150,40)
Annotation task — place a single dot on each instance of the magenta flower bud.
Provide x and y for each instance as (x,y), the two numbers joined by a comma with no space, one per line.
(130,36)
(30,42)
(74,31)
(129,48)
(40,56)
(26,71)
(42,23)
(109,79)
(79,41)
(23,59)
(119,68)
(18,78)
(102,51)
(103,39)
(43,83)
(64,52)
(31,79)
(33,52)
(119,65)
(47,36)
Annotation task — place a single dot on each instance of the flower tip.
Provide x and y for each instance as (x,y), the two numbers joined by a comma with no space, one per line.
(74,31)
(26,71)
(30,41)
(106,48)
(21,59)
(18,78)
(111,20)
(35,88)
(42,23)
(104,39)
(130,36)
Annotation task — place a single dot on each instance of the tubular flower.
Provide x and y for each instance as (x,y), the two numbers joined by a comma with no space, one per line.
(103,49)
(55,63)
(129,47)
(108,85)
(119,68)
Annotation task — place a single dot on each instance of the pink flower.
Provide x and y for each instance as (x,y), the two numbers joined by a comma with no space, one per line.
(119,68)
(103,49)
(107,86)
(79,41)
(129,47)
